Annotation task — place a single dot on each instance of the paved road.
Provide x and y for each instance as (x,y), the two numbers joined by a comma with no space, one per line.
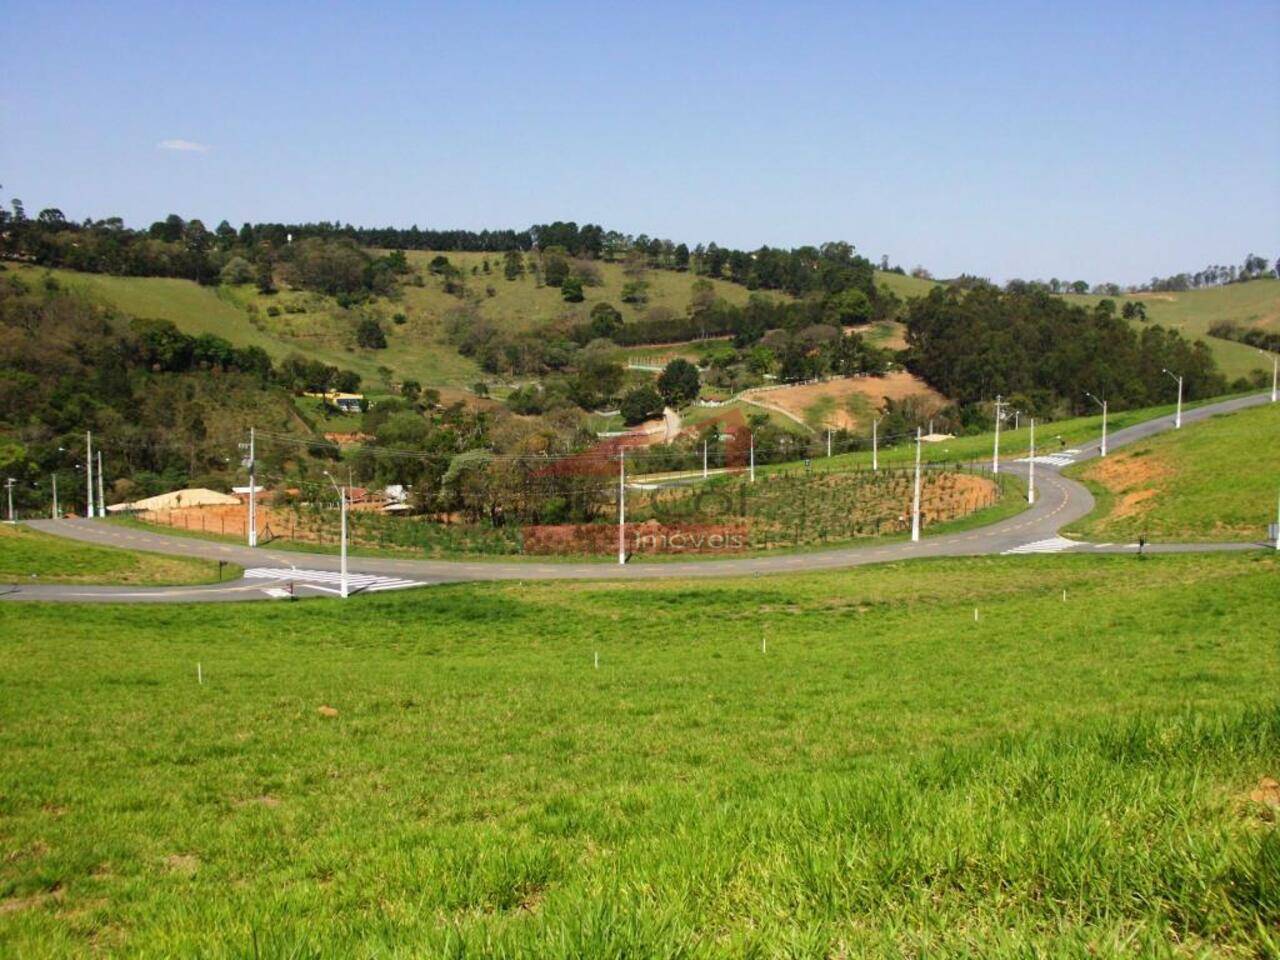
(1059,502)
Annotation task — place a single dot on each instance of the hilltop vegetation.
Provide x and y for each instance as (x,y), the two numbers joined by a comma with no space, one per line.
(886,777)
(1215,480)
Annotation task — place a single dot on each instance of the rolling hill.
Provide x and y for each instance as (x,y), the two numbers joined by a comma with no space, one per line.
(1193,312)
(318,327)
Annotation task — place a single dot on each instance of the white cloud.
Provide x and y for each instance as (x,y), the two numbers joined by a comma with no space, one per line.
(187,146)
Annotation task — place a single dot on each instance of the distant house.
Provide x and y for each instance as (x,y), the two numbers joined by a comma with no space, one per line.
(346,402)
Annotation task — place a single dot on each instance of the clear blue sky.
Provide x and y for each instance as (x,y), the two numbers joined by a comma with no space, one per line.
(1107,141)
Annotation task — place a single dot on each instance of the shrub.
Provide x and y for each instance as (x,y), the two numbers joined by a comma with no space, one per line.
(640,404)
(369,334)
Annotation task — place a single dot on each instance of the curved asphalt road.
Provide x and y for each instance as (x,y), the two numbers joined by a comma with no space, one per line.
(1059,501)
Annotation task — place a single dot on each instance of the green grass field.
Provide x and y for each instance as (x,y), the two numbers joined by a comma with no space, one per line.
(1216,480)
(885,777)
(1252,304)
(28,556)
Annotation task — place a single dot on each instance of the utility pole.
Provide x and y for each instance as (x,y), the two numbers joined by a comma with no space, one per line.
(54,514)
(1177,417)
(102,503)
(9,483)
(915,498)
(995,453)
(1103,405)
(88,474)
(622,505)
(753,456)
(251,463)
(875,452)
(342,548)
(1031,466)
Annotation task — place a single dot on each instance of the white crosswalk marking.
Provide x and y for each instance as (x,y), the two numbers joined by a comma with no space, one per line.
(363,582)
(1063,459)
(1051,545)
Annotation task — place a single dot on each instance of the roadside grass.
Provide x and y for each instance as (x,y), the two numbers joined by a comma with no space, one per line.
(31,556)
(1051,437)
(1215,480)
(887,777)
(1252,304)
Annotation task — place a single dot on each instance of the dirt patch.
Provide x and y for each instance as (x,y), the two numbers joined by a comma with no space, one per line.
(266,800)
(17,904)
(1135,479)
(844,395)
(326,711)
(183,863)
(1266,793)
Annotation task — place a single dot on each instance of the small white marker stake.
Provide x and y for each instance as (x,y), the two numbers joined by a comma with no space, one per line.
(1064,596)
(975,614)
(199,673)
(597,659)
(764,643)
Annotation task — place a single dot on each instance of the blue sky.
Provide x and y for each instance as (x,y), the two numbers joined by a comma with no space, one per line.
(1101,142)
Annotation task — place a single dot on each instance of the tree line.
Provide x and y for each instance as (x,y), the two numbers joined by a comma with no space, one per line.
(975,344)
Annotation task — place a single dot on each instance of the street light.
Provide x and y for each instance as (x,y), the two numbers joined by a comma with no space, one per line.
(1031,466)
(9,482)
(915,497)
(1103,405)
(342,500)
(995,452)
(1177,417)
(1275,372)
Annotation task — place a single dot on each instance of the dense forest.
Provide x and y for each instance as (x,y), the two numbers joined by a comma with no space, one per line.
(974,344)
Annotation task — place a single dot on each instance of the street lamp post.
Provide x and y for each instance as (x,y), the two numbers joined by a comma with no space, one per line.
(54,514)
(915,497)
(9,483)
(875,448)
(1103,405)
(1031,466)
(995,452)
(1275,372)
(1177,417)
(622,505)
(753,456)
(342,548)
(102,503)
(88,475)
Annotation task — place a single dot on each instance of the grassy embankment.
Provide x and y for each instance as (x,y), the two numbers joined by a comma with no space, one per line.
(1252,304)
(29,556)
(886,776)
(1216,480)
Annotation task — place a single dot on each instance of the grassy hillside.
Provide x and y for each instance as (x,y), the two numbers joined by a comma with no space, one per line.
(1211,481)
(885,777)
(318,327)
(905,286)
(31,556)
(1253,304)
